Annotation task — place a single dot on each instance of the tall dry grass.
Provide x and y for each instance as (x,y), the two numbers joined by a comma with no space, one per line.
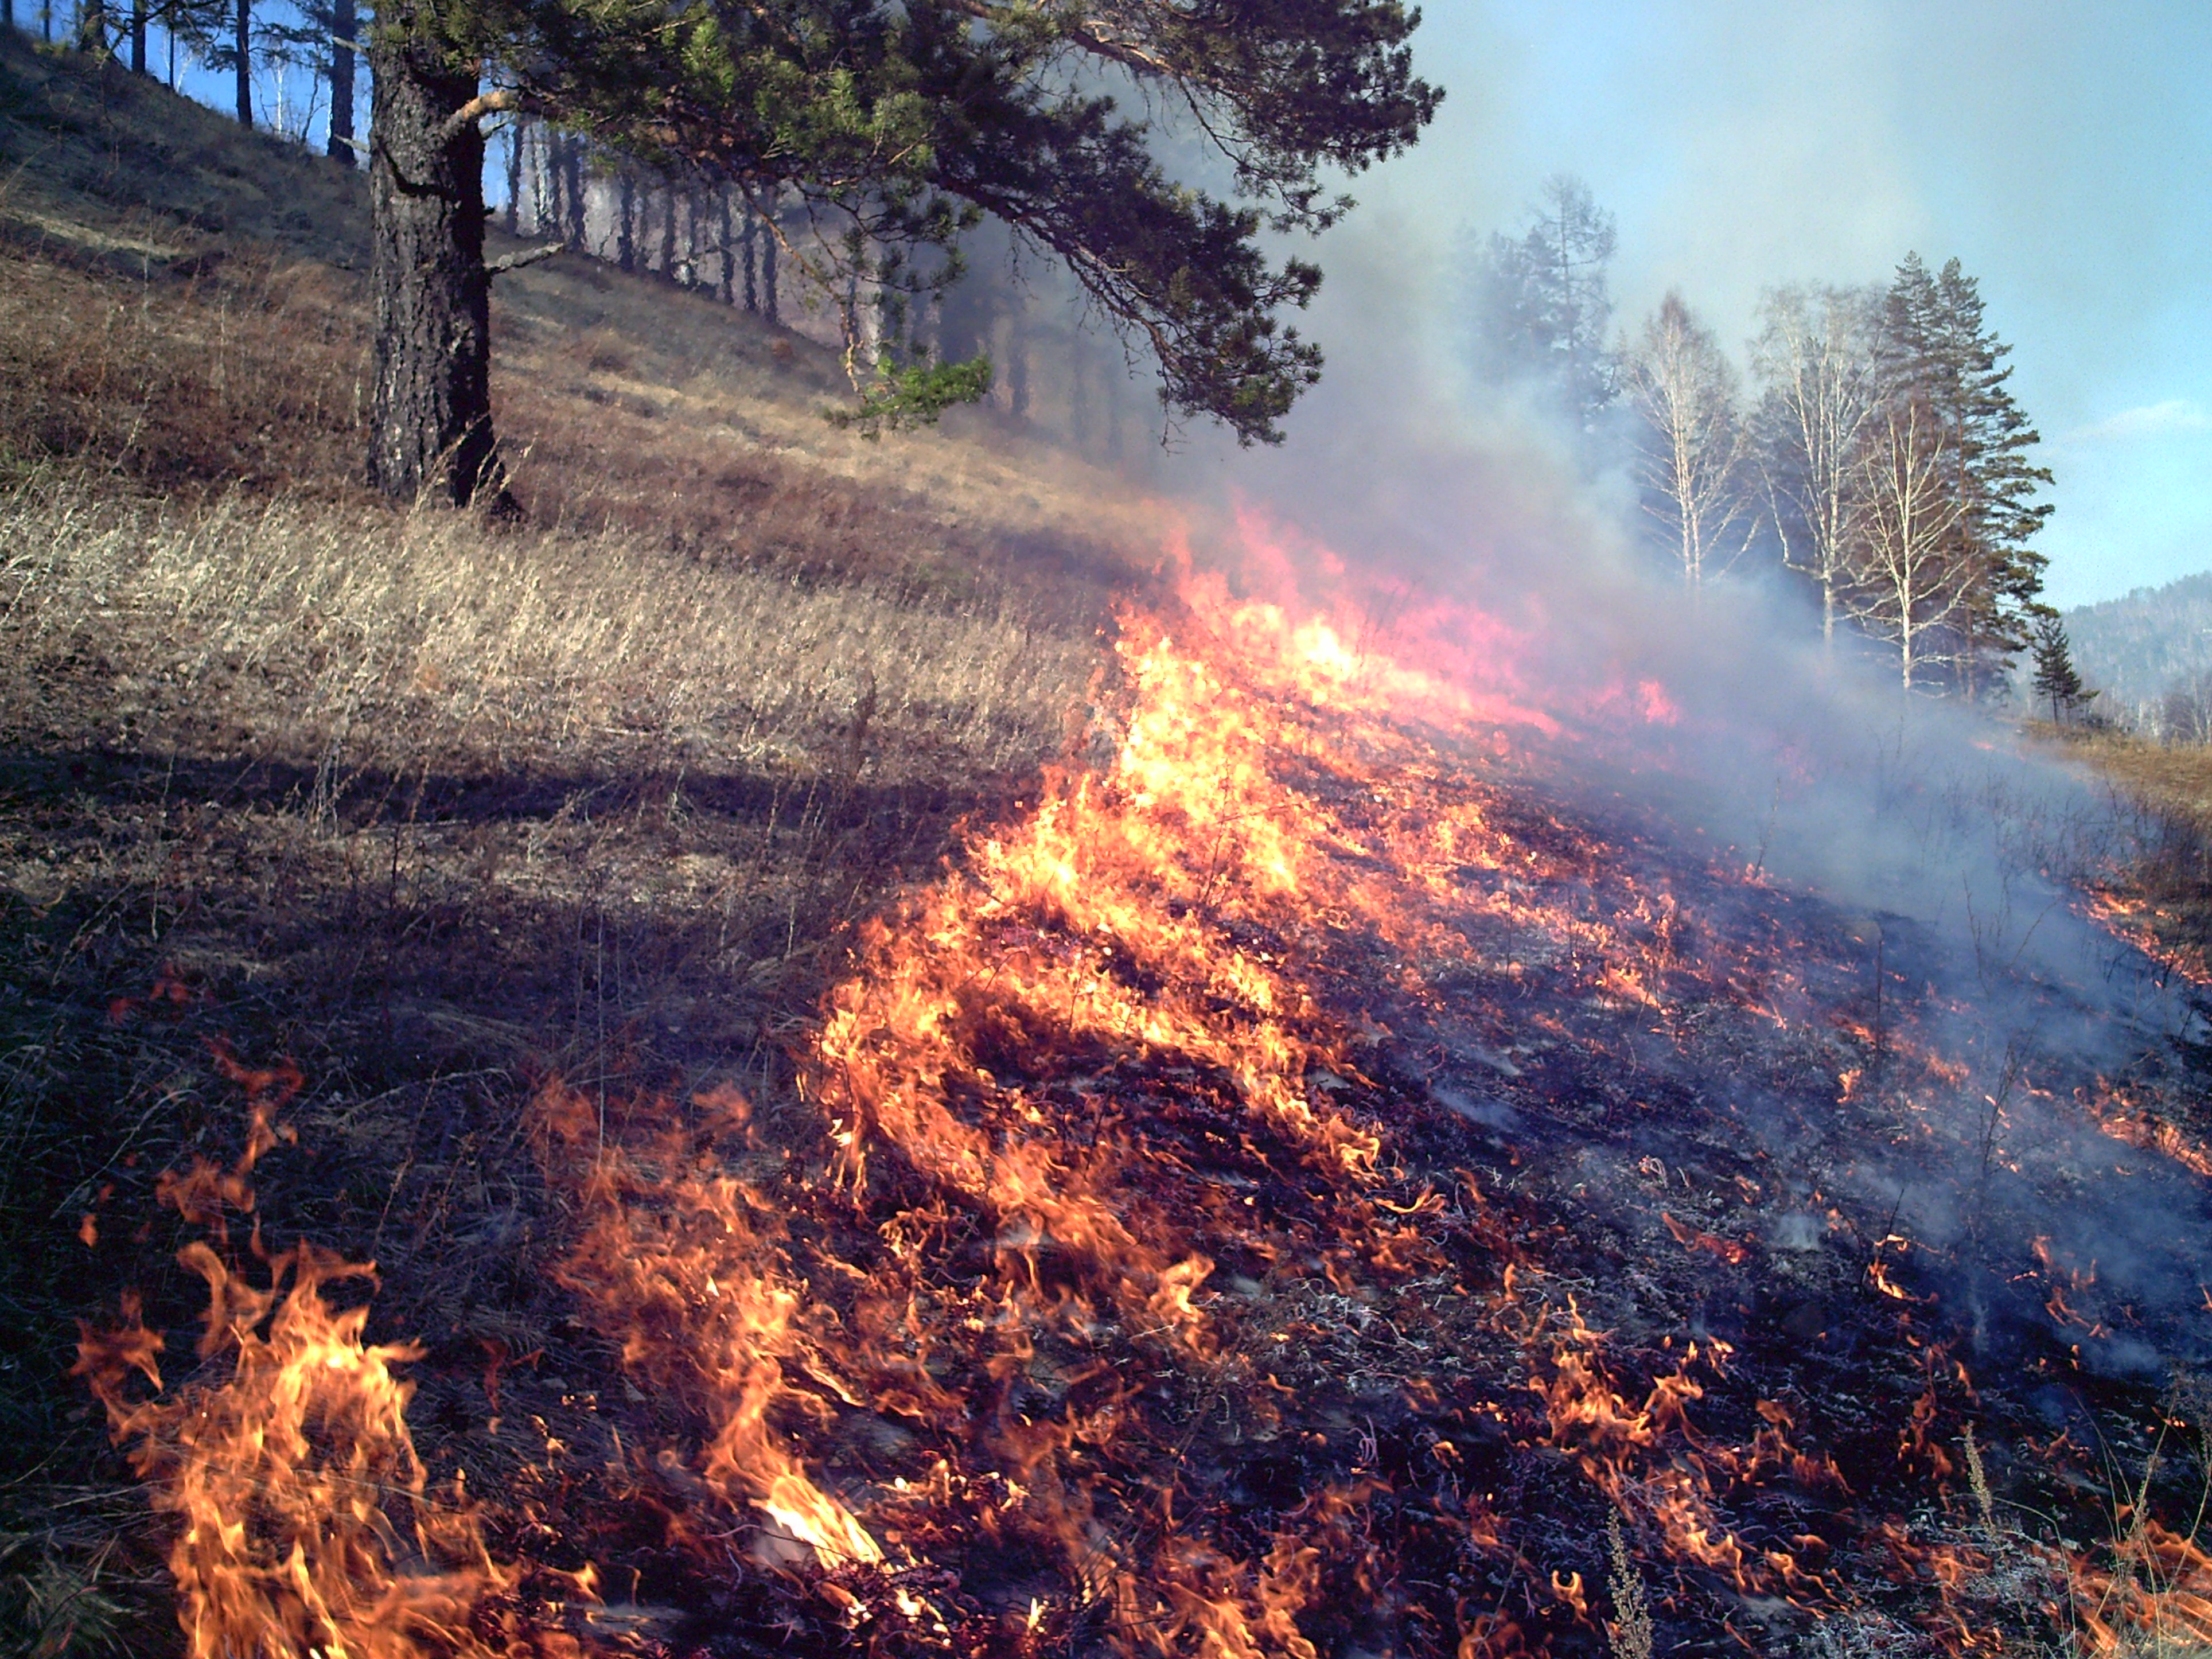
(432,809)
(300,630)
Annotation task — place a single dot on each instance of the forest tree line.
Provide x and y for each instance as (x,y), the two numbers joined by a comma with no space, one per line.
(1875,450)
(1876,453)
(314,39)
(699,233)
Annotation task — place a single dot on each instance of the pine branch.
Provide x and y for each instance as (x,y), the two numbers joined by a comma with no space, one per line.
(499,102)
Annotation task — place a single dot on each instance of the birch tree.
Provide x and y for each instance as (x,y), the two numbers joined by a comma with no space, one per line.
(1907,585)
(1688,441)
(1815,359)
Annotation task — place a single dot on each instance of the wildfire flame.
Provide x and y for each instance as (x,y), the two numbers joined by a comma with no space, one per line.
(1100,1144)
(307,1523)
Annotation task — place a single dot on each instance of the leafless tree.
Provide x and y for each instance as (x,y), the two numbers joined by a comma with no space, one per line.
(1690,442)
(1815,359)
(1905,581)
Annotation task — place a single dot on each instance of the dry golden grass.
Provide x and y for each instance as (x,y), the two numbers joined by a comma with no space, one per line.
(2173,780)
(2158,862)
(293,631)
(429,807)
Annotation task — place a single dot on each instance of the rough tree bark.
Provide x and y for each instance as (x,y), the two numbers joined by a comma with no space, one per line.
(729,254)
(241,48)
(750,244)
(344,22)
(768,263)
(572,165)
(430,432)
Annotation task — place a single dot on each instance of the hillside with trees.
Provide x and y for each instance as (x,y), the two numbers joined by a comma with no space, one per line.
(2151,650)
(767,1013)
(1875,456)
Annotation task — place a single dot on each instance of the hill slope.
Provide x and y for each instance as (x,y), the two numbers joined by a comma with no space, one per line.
(1234,1201)
(429,810)
(2138,646)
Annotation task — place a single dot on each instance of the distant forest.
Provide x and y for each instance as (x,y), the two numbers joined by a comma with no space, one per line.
(1877,457)
(2151,652)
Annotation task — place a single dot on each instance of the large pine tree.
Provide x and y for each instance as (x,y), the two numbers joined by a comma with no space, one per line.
(893,123)
(1939,349)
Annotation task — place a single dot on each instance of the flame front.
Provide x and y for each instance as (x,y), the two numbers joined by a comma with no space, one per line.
(1144,1269)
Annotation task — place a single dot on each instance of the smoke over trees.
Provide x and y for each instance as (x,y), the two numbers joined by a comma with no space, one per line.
(1541,308)
(1879,456)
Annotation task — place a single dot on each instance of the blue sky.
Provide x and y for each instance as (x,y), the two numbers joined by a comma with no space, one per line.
(2063,153)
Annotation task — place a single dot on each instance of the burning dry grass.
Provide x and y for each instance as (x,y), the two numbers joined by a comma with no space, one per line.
(426,808)
(1238,1209)
(429,808)
(1005,1331)
(2157,889)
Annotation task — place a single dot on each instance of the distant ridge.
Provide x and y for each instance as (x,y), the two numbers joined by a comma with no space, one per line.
(2138,646)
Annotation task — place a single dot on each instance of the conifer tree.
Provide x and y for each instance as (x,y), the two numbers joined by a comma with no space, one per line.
(341,21)
(1996,484)
(2056,676)
(1938,348)
(901,121)
(1541,305)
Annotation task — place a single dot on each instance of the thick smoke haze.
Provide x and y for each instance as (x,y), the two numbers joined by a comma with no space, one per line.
(2062,153)
(1929,828)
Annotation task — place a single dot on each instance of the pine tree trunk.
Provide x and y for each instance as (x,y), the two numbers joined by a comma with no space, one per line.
(752,265)
(92,26)
(344,22)
(241,45)
(573,170)
(1017,370)
(545,202)
(137,37)
(768,267)
(729,254)
(430,432)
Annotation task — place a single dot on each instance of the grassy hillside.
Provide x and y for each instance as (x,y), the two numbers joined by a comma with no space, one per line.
(431,809)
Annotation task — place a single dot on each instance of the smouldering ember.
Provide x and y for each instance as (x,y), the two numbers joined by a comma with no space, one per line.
(1282,1192)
